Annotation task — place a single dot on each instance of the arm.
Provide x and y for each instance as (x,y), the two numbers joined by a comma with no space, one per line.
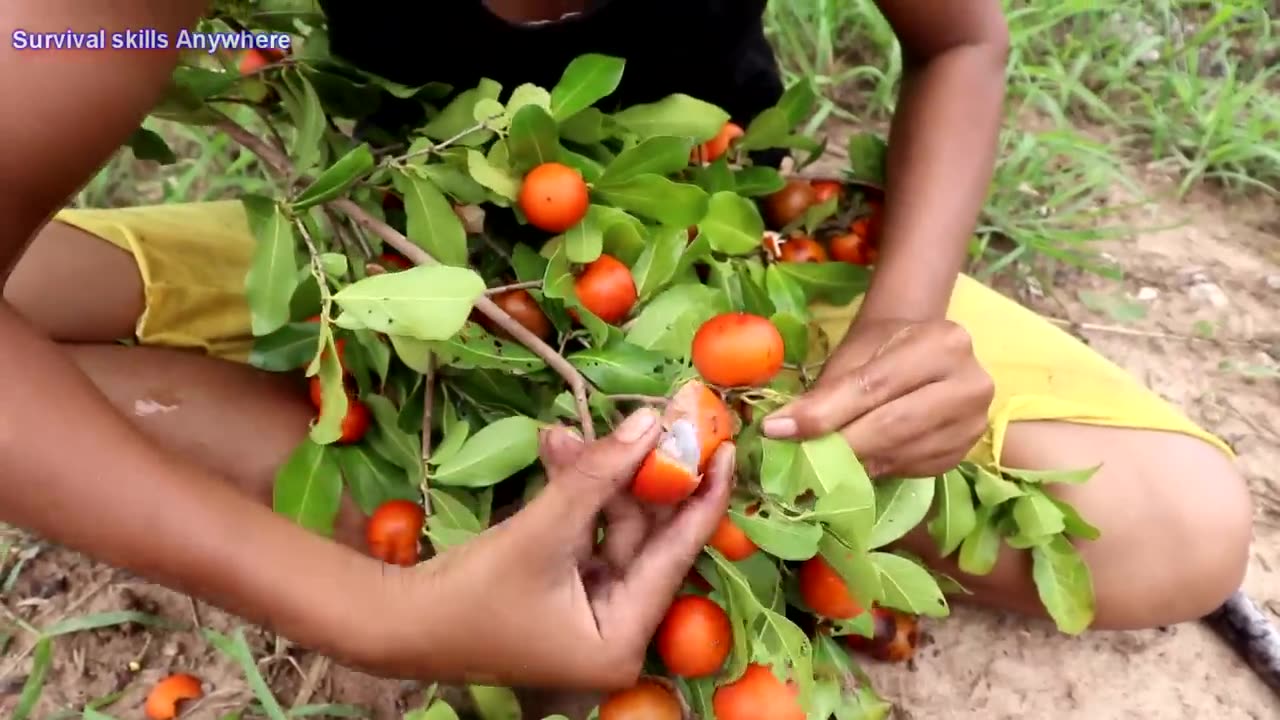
(941,152)
(71,468)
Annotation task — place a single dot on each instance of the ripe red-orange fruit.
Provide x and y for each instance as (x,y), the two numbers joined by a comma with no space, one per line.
(394,261)
(758,695)
(738,349)
(553,197)
(897,635)
(356,422)
(607,289)
(824,190)
(801,249)
(853,248)
(697,421)
(646,701)
(730,541)
(393,532)
(165,699)
(695,637)
(712,149)
(825,592)
(521,306)
(788,204)
(252,61)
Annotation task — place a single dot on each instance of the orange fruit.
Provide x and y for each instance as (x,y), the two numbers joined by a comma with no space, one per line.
(801,249)
(758,695)
(165,699)
(646,701)
(738,349)
(788,204)
(712,149)
(607,289)
(393,532)
(853,248)
(695,637)
(897,635)
(824,591)
(730,541)
(697,422)
(522,308)
(824,190)
(553,197)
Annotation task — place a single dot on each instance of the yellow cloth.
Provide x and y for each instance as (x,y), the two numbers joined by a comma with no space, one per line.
(193,259)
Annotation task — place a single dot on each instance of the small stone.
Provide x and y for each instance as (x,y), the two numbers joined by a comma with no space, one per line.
(1208,292)
(1148,293)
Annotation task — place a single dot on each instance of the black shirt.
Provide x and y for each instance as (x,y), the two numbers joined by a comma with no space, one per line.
(714,50)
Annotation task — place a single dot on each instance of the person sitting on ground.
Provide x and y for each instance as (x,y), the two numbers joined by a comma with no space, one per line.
(159,458)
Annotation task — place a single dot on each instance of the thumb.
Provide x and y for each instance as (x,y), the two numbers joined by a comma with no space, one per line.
(580,484)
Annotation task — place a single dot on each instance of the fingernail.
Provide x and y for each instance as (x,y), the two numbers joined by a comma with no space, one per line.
(634,427)
(779,427)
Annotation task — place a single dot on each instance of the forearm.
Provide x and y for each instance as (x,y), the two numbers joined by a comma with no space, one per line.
(942,148)
(74,471)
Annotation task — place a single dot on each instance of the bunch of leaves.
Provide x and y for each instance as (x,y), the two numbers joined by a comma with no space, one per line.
(457,390)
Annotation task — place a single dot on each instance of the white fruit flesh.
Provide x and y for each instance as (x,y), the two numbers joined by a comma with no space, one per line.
(680,443)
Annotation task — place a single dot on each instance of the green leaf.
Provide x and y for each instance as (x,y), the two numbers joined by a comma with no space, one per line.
(827,463)
(781,537)
(677,114)
(798,102)
(909,587)
(788,651)
(372,479)
(148,145)
(657,155)
(584,242)
(758,181)
(534,139)
(587,127)
(454,179)
(836,283)
(849,510)
(273,270)
(500,180)
(656,197)
(868,158)
(981,548)
(732,225)
(388,440)
(795,336)
(659,260)
(459,115)
(901,505)
(776,467)
(1074,524)
(337,179)
(785,293)
(621,368)
(308,488)
(1064,584)
(450,523)
(860,575)
(432,224)
(668,323)
(423,302)
(954,519)
(1041,477)
(307,114)
(991,489)
(1036,516)
(525,95)
(289,348)
(493,454)
(333,395)
(473,347)
(769,129)
(437,710)
(588,79)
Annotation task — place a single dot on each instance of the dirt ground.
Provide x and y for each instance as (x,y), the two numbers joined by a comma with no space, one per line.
(1220,270)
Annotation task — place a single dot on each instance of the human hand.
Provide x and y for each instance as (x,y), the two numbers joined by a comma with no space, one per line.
(909,397)
(533,601)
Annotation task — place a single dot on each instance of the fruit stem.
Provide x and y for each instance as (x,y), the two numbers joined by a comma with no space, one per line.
(527,285)
(278,162)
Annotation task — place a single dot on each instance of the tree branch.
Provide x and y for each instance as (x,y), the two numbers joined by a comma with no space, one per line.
(406,247)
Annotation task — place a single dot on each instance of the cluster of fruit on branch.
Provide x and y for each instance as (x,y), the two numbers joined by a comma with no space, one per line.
(533,255)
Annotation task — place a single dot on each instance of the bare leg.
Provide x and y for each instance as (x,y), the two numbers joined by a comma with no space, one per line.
(1175,517)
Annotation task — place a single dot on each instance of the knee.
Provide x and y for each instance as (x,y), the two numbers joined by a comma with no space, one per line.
(1192,548)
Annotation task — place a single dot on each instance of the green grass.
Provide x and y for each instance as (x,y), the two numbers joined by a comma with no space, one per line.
(1096,87)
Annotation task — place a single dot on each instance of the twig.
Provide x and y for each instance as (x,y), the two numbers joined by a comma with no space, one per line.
(1154,334)
(576,382)
(444,143)
(648,399)
(428,408)
(513,286)
(311,680)
(350,239)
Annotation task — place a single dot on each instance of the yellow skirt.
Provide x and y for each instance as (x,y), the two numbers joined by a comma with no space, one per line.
(193,259)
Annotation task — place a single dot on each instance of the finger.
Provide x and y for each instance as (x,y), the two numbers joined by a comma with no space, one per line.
(578,490)
(892,429)
(627,526)
(559,445)
(644,593)
(903,368)
(933,453)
